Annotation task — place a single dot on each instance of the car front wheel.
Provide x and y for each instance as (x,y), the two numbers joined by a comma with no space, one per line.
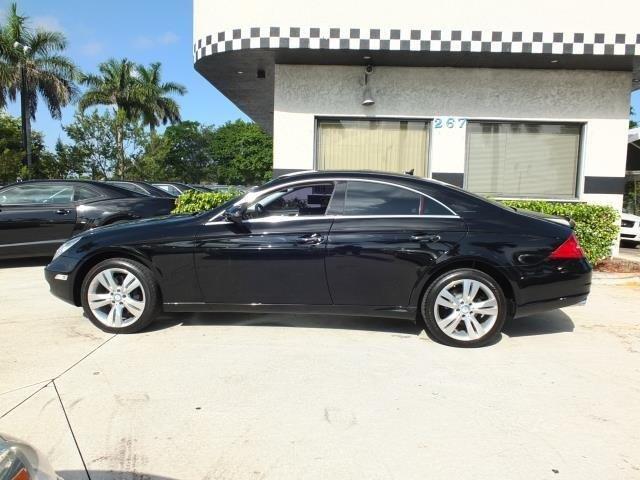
(120,296)
(464,308)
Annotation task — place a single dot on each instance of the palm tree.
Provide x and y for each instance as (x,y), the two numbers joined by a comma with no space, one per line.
(31,64)
(115,85)
(159,106)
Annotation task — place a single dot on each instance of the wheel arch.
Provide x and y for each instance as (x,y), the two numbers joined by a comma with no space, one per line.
(100,256)
(494,272)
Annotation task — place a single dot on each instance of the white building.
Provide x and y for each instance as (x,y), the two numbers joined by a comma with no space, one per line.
(509,99)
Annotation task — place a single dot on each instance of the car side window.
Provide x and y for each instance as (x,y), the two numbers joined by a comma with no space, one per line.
(37,193)
(293,201)
(83,193)
(371,198)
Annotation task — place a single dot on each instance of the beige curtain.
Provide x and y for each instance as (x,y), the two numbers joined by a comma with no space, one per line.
(385,145)
(522,160)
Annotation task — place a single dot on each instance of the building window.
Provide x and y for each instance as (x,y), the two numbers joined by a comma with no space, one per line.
(386,145)
(522,159)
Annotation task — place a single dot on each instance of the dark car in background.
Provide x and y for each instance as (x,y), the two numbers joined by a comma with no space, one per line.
(38,216)
(141,187)
(349,243)
(176,188)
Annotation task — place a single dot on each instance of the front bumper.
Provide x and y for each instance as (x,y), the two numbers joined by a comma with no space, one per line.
(60,275)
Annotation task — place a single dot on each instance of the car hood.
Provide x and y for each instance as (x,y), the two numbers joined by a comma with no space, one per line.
(165,221)
(566,221)
(630,217)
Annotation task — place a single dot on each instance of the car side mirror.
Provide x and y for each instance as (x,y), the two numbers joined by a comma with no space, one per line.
(235,213)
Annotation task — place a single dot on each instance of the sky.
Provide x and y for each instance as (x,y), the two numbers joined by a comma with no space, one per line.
(144,31)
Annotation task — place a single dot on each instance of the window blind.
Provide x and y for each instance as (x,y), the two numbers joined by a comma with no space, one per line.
(522,159)
(385,145)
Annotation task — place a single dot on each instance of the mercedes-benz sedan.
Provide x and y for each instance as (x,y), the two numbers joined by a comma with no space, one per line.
(351,243)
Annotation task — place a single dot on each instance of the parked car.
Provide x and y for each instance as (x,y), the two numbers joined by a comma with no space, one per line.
(176,188)
(630,229)
(21,461)
(36,217)
(349,243)
(141,187)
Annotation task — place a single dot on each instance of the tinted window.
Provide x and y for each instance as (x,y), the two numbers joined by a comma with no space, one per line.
(293,201)
(368,198)
(42,193)
(131,187)
(83,193)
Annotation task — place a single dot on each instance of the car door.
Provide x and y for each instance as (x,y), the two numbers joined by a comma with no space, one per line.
(386,239)
(35,218)
(275,256)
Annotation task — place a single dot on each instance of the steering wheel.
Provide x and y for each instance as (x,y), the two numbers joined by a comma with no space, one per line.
(258,208)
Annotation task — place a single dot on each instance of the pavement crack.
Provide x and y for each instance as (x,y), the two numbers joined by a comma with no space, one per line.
(85,357)
(73,435)
(49,381)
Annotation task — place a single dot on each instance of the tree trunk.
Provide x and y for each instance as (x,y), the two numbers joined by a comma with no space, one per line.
(120,144)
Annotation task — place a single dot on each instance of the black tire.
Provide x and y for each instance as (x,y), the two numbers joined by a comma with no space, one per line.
(428,304)
(148,291)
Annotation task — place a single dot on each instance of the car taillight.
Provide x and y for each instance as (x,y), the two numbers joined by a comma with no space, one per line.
(570,249)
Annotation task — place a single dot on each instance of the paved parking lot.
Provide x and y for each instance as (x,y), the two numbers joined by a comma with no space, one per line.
(267,396)
(630,253)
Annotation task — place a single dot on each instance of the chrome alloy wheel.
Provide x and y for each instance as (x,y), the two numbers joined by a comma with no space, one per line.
(465,309)
(116,297)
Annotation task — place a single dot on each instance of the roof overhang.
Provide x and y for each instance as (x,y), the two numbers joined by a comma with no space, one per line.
(241,62)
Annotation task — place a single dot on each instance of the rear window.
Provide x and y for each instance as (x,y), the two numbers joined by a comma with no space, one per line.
(370,198)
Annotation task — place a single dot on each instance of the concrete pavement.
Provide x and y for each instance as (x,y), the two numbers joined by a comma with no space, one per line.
(267,396)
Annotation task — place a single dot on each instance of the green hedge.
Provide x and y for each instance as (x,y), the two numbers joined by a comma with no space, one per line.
(596,225)
(195,202)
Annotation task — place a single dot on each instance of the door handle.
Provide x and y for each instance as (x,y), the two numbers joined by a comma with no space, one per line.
(313,239)
(425,238)
(62,211)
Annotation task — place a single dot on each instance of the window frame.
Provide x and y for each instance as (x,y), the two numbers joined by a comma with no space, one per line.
(266,193)
(328,118)
(96,194)
(578,182)
(253,196)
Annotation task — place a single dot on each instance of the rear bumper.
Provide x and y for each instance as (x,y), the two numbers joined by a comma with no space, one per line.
(556,284)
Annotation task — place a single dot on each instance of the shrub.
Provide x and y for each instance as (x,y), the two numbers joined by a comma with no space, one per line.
(596,225)
(193,201)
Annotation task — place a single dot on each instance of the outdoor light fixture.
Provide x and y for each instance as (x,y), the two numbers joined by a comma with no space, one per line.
(367,98)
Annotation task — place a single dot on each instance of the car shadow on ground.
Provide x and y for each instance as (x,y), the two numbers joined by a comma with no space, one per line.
(108,475)
(542,324)
(343,322)
(555,321)
(25,262)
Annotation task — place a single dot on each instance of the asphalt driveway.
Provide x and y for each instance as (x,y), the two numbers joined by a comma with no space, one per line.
(270,396)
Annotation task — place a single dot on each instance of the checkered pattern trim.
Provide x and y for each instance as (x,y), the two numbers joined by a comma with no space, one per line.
(423,40)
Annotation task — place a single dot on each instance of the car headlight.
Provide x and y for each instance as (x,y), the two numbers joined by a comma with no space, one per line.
(66,246)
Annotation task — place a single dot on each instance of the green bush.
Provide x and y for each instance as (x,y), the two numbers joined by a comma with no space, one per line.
(195,202)
(596,225)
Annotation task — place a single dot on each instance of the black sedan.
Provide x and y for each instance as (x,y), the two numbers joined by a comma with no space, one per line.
(36,217)
(352,243)
(141,187)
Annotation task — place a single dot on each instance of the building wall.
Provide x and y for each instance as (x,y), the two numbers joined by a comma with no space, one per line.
(588,16)
(598,99)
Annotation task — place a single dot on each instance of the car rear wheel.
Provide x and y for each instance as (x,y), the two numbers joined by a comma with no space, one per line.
(120,296)
(464,308)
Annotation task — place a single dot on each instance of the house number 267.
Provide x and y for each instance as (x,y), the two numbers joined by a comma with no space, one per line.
(449,122)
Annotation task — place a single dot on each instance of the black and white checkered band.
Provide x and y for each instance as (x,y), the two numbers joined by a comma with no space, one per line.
(423,40)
